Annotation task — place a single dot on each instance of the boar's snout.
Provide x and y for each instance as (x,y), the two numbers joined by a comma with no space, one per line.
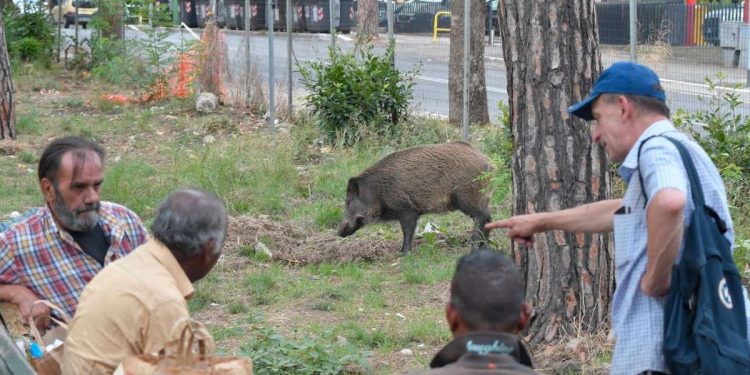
(347,228)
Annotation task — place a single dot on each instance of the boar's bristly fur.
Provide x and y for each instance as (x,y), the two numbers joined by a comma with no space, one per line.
(424,179)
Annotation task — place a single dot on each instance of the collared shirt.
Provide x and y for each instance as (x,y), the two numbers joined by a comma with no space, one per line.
(131,307)
(45,258)
(637,319)
(479,353)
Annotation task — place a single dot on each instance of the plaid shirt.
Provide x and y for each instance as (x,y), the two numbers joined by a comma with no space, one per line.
(637,319)
(39,255)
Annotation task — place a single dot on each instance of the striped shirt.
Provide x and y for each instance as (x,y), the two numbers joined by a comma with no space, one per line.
(41,256)
(637,319)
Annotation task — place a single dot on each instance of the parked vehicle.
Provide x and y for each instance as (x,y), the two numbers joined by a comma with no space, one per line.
(417,16)
(718,14)
(86,11)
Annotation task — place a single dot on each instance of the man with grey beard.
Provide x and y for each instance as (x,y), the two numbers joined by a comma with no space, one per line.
(54,253)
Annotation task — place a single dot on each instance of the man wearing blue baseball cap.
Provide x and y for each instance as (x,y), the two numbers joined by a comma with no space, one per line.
(626,107)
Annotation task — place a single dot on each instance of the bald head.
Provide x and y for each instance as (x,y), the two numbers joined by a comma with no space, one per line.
(187,220)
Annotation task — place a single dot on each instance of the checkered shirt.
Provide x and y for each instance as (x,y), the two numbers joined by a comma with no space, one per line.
(637,319)
(39,255)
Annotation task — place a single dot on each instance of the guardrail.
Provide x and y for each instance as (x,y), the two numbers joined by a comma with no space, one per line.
(435,28)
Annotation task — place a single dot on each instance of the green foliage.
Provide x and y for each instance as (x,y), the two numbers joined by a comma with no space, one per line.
(742,258)
(725,136)
(356,93)
(29,36)
(721,130)
(273,354)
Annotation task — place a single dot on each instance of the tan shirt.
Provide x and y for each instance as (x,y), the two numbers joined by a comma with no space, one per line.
(129,308)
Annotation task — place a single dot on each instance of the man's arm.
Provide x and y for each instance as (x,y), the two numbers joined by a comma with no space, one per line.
(594,217)
(24,298)
(665,227)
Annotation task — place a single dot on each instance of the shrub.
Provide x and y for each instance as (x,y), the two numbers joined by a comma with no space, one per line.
(721,130)
(29,36)
(357,92)
(725,136)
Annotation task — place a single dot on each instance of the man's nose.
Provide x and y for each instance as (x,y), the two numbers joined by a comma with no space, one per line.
(92,195)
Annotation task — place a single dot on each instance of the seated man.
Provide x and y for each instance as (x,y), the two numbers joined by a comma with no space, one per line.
(56,251)
(485,313)
(131,307)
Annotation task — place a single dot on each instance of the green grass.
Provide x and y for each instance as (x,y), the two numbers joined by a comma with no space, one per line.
(281,312)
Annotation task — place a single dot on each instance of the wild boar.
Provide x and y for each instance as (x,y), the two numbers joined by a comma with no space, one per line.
(424,179)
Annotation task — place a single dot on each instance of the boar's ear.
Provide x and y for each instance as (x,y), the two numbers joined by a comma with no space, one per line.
(353,187)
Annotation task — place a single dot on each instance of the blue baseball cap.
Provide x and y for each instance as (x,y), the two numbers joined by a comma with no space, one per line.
(621,78)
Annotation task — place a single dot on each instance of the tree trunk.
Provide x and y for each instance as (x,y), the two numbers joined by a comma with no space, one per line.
(552,58)
(7,104)
(367,20)
(477,86)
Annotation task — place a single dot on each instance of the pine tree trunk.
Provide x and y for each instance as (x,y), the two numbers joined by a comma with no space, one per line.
(477,86)
(7,103)
(552,58)
(367,20)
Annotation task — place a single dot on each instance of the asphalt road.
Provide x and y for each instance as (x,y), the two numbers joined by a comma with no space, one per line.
(431,59)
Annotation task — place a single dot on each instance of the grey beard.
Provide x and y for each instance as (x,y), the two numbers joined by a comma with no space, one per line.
(80,220)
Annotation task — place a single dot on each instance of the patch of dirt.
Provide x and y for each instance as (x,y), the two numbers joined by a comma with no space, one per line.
(291,244)
(575,354)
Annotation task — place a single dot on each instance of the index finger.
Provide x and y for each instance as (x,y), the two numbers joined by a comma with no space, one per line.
(498,224)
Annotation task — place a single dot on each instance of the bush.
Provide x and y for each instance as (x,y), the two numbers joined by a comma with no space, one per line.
(29,36)
(725,136)
(356,91)
(720,130)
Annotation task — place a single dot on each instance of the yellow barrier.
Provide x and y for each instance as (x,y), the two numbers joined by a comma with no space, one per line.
(435,28)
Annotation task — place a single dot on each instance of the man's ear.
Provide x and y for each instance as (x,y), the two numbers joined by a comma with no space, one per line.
(523,317)
(48,189)
(208,251)
(451,315)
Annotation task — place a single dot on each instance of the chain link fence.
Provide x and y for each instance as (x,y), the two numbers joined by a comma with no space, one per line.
(685,44)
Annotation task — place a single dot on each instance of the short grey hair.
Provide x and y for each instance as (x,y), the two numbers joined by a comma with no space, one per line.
(188,219)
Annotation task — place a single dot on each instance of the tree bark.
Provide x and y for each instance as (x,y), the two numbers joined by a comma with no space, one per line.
(367,20)
(552,58)
(7,103)
(478,113)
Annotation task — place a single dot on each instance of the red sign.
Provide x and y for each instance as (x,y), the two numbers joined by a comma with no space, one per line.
(253,10)
(188,7)
(321,16)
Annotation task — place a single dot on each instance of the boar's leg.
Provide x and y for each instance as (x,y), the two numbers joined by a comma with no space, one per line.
(481,215)
(408,222)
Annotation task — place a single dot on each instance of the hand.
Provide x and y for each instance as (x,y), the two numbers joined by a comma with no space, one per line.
(521,228)
(25,299)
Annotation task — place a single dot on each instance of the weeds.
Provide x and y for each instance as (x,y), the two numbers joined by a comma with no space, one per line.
(274,354)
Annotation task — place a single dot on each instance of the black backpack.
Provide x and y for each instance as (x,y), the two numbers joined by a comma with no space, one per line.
(705,327)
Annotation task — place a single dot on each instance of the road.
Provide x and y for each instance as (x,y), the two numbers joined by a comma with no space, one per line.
(684,90)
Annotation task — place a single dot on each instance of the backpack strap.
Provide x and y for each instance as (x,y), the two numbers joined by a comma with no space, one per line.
(695,187)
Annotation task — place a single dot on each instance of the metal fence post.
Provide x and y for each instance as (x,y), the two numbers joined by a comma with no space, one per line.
(633,30)
(290,110)
(467,45)
(271,91)
(175,12)
(59,29)
(391,39)
(332,29)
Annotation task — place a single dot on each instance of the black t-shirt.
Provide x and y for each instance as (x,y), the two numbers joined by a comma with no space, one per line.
(93,242)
